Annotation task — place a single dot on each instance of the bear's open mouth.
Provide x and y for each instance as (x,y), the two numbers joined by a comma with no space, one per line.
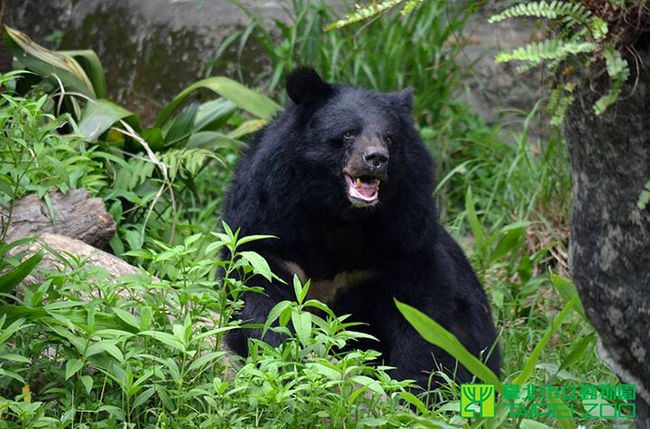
(363,190)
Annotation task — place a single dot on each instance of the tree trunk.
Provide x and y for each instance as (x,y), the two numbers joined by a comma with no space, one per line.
(609,250)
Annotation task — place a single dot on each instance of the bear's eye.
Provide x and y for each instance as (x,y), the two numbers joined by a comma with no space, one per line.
(388,139)
(348,135)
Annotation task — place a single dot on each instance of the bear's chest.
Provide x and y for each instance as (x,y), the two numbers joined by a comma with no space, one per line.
(327,289)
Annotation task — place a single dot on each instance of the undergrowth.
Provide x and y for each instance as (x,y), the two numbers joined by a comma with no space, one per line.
(81,349)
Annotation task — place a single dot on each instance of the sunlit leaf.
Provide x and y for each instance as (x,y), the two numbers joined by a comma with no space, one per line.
(245,98)
(47,63)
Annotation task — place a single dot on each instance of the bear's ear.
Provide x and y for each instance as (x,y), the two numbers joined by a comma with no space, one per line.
(403,98)
(304,84)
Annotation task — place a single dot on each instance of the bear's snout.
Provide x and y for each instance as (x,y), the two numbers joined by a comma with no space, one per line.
(376,158)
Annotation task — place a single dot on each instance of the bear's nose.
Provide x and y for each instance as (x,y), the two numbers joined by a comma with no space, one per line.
(376,157)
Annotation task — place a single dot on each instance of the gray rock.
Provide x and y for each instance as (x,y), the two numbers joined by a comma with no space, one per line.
(151,49)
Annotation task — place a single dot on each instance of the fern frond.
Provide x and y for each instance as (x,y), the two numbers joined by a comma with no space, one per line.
(644,197)
(186,162)
(364,12)
(410,5)
(618,71)
(542,9)
(598,28)
(551,49)
(559,101)
(617,67)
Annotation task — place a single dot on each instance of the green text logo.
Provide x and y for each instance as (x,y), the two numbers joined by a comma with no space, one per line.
(477,400)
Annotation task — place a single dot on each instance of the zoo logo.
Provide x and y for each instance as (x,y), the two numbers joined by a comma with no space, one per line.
(477,396)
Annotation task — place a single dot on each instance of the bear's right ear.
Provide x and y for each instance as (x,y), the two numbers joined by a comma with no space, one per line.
(304,84)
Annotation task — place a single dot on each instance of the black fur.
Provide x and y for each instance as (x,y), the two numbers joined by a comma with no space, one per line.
(290,184)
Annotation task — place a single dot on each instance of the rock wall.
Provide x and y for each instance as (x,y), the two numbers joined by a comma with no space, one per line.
(152,49)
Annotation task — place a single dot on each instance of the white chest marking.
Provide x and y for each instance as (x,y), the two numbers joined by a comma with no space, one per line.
(325,290)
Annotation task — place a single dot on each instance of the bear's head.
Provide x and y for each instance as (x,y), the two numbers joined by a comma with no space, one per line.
(360,147)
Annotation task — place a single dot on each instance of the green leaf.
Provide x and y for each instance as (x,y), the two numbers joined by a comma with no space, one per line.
(274,314)
(165,338)
(563,423)
(431,331)
(98,116)
(154,138)
(5,248)
(250,238)
(299,289)
(567,290)
(87,382)
(578,351)
(212,115)
(72,366)
(211,140)
(644,197)
(245,98)
(302,325)
(259,264)
(48,63)
(143,397)
(509,241)
(413,400)
(529,367)
(12,278)
(370,383)
(181,126)
(247,128)
(15,358)
(164,398)
(477,229)
(206,359)
(127,317)
(107,346)
(89,61)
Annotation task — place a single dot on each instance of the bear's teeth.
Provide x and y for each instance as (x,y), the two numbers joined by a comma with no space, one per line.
(358,183)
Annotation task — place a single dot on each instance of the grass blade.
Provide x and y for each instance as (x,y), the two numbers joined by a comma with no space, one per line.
(439,336)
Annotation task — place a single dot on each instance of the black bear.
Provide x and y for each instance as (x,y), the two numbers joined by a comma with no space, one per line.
(344,180)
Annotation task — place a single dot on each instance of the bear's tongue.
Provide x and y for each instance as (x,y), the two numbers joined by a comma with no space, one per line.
(362,190)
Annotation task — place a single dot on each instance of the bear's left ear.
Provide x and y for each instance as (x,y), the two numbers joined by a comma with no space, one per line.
(305,84)
(403,98)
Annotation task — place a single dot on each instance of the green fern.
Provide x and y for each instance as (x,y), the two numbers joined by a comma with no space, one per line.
(542,9)
(559,101)
(410,5)
(618,71)
(644,197)
(365,12)
(579,35)
(552,49)
(186,162)
(373,9)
